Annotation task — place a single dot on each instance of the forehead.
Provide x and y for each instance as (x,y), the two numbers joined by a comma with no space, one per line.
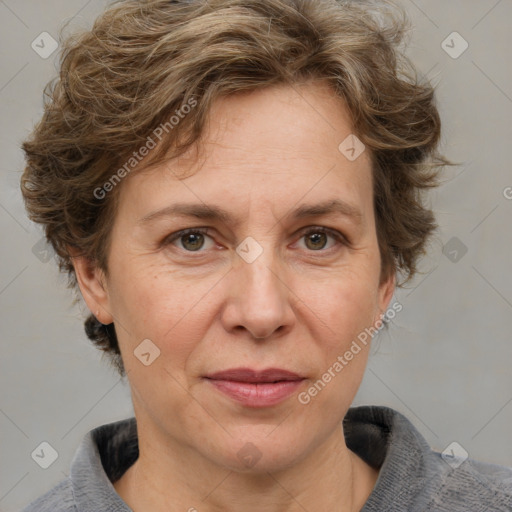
(300,121)
(265,147)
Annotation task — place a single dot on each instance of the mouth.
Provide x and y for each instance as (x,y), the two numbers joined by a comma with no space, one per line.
(253,388)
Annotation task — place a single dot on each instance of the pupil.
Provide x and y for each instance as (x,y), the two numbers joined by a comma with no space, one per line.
(196,241)
(317,239)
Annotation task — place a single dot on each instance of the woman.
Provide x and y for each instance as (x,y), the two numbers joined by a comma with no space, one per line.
(235,188)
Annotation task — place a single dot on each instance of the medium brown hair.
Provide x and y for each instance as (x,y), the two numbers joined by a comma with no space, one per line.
(143,60)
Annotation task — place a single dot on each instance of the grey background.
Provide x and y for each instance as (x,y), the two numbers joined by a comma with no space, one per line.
(445,362)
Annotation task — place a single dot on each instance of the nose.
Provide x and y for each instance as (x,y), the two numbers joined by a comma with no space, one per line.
(259,299)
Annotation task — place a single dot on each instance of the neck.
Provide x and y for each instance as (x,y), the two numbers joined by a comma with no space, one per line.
(331,478)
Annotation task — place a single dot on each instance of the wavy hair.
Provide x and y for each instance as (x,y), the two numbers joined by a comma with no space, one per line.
(143,60)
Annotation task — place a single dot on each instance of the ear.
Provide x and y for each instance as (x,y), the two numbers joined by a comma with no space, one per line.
(92,283)
(385,293)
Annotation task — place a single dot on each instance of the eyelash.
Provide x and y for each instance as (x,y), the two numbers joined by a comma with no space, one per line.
(315,229)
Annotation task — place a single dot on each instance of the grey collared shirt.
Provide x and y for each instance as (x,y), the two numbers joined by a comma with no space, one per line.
(412,477)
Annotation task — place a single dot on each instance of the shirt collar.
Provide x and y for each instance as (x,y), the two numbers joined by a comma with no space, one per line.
(386,439)
(104,454)
(381,436)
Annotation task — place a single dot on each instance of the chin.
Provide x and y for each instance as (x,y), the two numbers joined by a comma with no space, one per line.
(259,450)
(257,462)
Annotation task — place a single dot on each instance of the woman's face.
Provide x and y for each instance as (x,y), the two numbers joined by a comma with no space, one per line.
(278,281)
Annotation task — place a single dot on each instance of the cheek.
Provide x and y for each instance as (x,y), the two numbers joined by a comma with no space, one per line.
(345,304)
(171,311)
(342,335)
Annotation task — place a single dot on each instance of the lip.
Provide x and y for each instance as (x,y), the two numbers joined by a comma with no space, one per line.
(253,388)
(255,376)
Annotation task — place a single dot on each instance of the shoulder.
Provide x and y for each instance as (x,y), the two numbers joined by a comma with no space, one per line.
(58,499)
(102,457)
(412,476)
(472,485)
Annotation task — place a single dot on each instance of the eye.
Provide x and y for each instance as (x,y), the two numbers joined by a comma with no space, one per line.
(317,238)
(194,239)
(191,240)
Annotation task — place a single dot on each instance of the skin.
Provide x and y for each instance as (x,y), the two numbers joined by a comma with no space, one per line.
(298,306)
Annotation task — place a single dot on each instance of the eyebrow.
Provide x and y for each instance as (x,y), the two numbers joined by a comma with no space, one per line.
(215,213)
